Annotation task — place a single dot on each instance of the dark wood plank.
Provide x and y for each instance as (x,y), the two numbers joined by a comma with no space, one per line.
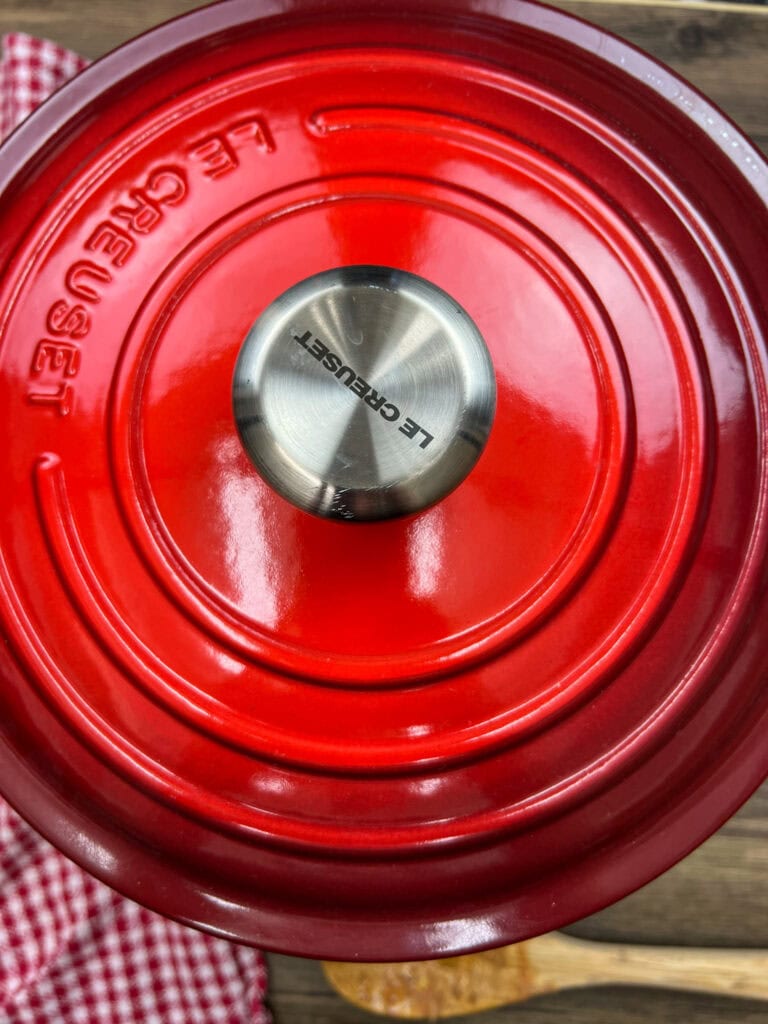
(91,27)
(609,1005)
(599,1006)
(722,52)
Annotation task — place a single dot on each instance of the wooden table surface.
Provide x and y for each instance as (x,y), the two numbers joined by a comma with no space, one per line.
(718,895)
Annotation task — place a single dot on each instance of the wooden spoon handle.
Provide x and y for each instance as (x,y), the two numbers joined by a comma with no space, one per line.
(467,984)
(558,961)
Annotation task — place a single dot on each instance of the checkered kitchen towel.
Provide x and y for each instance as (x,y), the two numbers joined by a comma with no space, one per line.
(72,951)
(30,70)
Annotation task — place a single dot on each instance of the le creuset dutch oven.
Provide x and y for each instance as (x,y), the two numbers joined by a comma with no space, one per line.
(384,539)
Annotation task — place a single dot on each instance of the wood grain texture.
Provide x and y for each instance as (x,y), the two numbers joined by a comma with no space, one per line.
(719,895)
(722,53)
(435,989)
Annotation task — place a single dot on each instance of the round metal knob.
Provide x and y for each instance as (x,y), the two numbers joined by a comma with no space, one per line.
(364,393)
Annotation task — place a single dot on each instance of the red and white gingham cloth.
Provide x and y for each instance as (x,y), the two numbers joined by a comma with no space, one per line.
(30,70)
(72,951)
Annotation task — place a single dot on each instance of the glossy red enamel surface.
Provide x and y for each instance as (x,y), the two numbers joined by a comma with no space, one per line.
(426,735)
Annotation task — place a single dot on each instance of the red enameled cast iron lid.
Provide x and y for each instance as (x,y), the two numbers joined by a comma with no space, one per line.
(419,735)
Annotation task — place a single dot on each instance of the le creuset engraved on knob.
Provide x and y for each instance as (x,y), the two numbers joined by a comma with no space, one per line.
(363,460)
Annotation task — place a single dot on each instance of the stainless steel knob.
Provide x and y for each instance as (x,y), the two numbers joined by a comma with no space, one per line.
(363,393)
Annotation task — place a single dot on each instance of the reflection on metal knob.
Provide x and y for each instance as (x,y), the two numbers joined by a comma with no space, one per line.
(363,393)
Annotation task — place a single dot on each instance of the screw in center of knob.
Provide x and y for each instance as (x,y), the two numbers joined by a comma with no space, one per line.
(363,393)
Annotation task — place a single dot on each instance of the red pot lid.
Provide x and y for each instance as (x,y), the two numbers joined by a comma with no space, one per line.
(432,732)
